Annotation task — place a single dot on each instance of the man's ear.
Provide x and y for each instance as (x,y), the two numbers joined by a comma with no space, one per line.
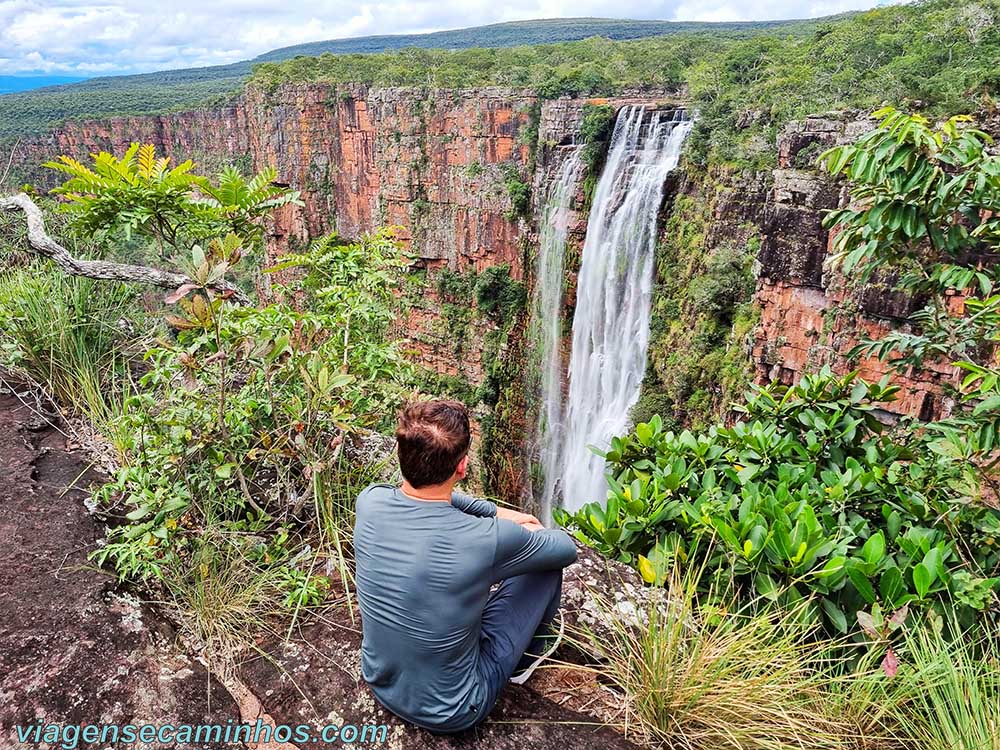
(462,467)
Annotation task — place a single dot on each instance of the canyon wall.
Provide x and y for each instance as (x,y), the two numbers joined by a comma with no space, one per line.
(452,169)
(811,314)
(441,166)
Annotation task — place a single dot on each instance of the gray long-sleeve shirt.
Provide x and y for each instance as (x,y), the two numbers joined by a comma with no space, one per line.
(424,571)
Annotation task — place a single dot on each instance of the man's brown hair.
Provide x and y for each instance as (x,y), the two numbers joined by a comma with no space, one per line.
(432,437)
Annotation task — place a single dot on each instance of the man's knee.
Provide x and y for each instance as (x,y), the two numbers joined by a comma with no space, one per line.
(550,581)
(550,591)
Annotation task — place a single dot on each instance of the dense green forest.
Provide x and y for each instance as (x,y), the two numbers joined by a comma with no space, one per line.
(174,90)
(544,31)
(938,56)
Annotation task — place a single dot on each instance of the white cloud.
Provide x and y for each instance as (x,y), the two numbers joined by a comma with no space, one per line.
(123,36)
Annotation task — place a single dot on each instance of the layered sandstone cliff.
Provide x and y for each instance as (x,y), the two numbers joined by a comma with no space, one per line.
(811,314)
(437,165)
(450,168)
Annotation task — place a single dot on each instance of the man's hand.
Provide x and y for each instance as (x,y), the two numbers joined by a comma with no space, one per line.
(524,519)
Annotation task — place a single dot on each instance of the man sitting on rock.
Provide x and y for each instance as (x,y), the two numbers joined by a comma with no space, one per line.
(438,645)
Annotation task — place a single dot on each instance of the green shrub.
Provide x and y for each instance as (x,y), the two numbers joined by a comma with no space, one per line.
(726,283)
(924,215)
(498,296)
(237,420)
(808,497)
(457,288)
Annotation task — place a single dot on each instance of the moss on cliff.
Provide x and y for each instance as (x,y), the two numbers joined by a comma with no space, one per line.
(480,312)
(502,301)
(595,132)
(498,296)
(702,314)
(518,191)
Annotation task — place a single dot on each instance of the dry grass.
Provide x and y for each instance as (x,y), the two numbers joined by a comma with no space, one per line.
(223,599)
(714,678)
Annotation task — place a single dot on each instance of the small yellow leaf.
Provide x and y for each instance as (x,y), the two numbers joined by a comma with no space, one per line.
(747,548)
(799,553)
(646,570)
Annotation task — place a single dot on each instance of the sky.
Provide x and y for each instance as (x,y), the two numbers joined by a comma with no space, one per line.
(73,37)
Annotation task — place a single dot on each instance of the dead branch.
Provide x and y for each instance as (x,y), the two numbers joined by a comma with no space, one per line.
(45,246)
(10,161)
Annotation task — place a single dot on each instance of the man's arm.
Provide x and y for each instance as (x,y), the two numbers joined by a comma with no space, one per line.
(486,509)
(521,550)
(473,506)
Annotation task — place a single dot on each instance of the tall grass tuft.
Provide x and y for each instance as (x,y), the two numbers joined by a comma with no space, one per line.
(64,332)
(947,691)
(224,597)
(700,677)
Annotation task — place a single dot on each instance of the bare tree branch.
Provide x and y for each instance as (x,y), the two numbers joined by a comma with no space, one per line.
(44,245)
(10,161)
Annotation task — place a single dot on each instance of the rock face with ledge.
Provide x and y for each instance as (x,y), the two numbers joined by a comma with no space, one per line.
(811,315)
(438,164)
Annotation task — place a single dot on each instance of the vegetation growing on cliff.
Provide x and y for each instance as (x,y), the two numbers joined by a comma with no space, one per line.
(701,317)
(518,191)
(595,131)
(935,54)
(495,303)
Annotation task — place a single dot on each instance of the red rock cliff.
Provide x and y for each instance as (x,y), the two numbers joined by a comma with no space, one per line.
(436,163)
(811,315)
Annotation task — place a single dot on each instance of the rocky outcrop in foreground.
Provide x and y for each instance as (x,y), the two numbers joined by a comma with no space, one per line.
(74,649)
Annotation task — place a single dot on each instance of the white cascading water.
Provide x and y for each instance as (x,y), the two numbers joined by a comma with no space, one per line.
(547,320)
(614,292)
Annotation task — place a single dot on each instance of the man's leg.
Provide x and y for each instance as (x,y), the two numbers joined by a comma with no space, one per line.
(519,609)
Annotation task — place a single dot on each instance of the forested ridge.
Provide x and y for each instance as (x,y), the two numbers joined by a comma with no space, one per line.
(174,90)
(935,55)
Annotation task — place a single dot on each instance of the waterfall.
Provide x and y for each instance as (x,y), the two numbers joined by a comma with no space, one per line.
(614,291)
(547,308)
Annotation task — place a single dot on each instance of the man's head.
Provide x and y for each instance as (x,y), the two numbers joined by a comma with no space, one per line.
(433,440)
